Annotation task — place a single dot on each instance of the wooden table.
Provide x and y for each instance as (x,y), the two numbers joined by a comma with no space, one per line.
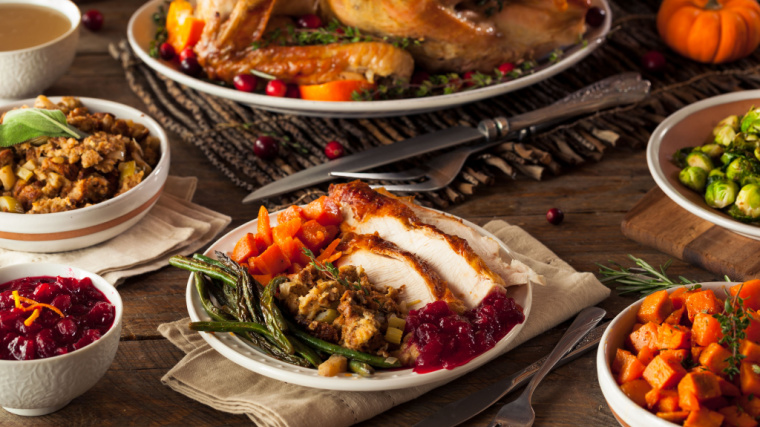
(594,197)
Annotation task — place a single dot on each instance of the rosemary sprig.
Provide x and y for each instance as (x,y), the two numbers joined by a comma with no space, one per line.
(643,279)
(332,272)
(733,323)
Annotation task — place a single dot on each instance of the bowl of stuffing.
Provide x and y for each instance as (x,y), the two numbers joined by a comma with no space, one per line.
(75,172)
(59,332)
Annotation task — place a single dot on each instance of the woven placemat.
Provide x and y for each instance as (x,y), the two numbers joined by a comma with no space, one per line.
(225,130)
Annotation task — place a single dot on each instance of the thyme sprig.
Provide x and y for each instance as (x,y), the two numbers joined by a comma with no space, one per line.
(159,19)
(332,272)
(333,32)
(643,279)
(733,323)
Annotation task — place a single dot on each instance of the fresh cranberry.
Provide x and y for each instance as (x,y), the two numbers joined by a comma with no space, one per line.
(595,16)
(340,31)
(420,77)
(265,147)
(468,78)
(309,22)
(245,82)
(506,68)
(166,51)
(187,52)
(21,348)
(293,92)
(66,330)
(334,150)
(45,343)
(555,216)
(92,20)
(276,88)
(61,302)
(653,61)
(190,66)
(101,314)
(88,337)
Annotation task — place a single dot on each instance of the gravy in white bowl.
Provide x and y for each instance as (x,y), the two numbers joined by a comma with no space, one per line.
(26,25)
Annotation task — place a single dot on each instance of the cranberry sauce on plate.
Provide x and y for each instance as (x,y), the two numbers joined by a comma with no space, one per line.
(446,339)
(47,316)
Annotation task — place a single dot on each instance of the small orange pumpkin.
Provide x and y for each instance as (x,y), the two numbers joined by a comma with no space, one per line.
(710,31)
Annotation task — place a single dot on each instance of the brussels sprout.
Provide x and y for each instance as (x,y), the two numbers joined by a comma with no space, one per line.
(751,121)
(721,193)
(715,175)
(712,150)
(700,160)
(738,168)
(693,177)
(730,121)
(748,201)
(725,136)
(728,157)
(757,153)
(679,157)
(750,178)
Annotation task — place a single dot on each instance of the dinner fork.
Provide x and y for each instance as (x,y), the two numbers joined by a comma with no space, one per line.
(441,170)
(519,412)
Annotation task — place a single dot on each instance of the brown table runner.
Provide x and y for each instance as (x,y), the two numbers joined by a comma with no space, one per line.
(225,130)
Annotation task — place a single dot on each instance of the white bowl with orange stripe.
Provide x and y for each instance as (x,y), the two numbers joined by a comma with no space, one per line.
(88,226)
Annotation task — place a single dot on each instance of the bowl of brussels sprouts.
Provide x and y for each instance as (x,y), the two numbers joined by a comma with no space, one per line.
(706,158)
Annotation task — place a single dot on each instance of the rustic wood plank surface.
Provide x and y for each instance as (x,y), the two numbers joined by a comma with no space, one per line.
(595,198)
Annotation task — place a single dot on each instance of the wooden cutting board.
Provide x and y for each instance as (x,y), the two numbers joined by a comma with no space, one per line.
(659,222)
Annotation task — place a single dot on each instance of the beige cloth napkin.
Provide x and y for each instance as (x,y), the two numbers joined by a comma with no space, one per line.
(174,225)
(208,377)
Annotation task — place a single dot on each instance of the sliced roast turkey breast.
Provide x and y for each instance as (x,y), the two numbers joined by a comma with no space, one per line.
(388,265)
(366,211)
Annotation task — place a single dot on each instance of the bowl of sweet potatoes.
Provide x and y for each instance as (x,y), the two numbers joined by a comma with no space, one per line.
(687,356)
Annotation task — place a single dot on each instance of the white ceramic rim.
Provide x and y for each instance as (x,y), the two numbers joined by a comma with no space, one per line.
(66,7)
(98,105)
(387,108)
(618,401)
(246,356)
(655,168)
(52,269)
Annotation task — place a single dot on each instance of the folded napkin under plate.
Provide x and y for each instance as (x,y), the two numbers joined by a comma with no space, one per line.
(174,225)
(210,378)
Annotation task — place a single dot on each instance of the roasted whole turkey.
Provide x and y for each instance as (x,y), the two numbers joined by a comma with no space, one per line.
(450,36)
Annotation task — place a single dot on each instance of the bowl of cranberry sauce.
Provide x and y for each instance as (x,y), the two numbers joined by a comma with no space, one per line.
(59,332)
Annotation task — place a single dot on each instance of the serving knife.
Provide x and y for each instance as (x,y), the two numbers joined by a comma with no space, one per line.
(613,91)
(463,409)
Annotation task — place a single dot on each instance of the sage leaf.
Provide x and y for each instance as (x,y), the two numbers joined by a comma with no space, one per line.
(24,124)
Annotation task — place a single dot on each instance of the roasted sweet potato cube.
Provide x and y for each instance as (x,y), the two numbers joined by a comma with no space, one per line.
(704,418)
(663,373)
(668,401)
(645,336)
(750,351)
(673,337)
(678,355)
(272,261)
(676,417)
(705,330)
(646,355)
(702,386)
(752,332)
(675,317)
(244,248)
(750,404)
(285,230)
(703,302)
(678,297)
(750,293)
(696,351)
(637,391)
(736,417)
(652,397)
(656,307)
(728,388)
(749,378)
(313,235)
(715,358)
(627,366)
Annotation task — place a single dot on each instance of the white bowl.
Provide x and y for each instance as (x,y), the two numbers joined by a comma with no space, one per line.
(79,228)
(625,410)
(41,386)
(27,72)
(689,127)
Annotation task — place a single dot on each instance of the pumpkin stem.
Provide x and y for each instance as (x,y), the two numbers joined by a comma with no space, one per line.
(713,5)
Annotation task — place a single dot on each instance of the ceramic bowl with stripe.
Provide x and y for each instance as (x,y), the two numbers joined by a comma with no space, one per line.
(88,226)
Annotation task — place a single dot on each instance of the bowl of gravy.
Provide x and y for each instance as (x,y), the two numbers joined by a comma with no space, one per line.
(38,40)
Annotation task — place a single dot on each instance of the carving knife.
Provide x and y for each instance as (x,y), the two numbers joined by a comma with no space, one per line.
(616,90)
(462,410)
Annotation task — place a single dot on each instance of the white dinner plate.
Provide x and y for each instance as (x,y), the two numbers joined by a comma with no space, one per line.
(240,352)
(141,30)
(692,126)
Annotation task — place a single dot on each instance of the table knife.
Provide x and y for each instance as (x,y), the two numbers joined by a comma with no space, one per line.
(462,410)
(616,90)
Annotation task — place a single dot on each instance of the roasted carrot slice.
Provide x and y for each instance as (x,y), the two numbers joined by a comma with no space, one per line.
(263,228)
(244,248)
(272,261)
(285,230)
(328,251)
